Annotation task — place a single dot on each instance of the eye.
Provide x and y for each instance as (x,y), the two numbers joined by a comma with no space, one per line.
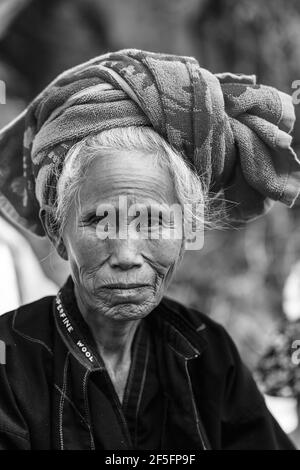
(94,219)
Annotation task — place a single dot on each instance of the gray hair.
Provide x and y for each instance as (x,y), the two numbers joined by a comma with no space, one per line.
(187,183)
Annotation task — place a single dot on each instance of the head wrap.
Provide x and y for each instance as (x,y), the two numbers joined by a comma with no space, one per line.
(233,131)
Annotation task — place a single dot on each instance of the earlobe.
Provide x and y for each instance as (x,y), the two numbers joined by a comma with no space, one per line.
(53,235)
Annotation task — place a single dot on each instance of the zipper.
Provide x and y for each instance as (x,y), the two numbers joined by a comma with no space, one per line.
(87,409)
(119,408)
(196,415)
(116,397)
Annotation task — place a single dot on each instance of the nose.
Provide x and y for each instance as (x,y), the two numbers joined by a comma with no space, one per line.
(125,254)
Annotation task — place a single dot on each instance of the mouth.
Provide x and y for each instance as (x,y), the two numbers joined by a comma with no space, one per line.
(126,292)
(122,286)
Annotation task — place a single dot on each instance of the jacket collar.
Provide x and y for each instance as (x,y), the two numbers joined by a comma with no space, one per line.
(180,333)
(177,341)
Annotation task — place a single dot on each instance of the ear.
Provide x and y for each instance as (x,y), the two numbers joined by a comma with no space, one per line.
(48,223)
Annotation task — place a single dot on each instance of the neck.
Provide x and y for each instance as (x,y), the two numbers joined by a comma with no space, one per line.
(113,338)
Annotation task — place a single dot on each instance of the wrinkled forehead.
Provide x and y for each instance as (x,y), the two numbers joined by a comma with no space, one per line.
(136,176)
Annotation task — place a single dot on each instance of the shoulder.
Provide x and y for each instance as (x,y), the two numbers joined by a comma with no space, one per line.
(26,358)
(220,374)
(219,358)
(30,324)
(208,330)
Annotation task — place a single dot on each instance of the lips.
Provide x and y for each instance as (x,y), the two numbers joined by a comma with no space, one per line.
(125,286)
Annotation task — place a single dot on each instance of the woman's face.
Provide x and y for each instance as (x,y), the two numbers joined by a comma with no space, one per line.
(121,278)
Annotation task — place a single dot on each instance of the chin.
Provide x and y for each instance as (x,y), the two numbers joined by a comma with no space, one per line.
(129,311)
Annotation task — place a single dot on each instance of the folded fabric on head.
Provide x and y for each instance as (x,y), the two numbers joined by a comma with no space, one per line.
(235,133)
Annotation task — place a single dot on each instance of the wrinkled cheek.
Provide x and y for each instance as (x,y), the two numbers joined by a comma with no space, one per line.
(169,250)
(86,256)
(173,254)
(170,273)
(166,253)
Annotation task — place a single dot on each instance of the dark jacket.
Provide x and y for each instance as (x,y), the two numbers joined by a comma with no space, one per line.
(211,400)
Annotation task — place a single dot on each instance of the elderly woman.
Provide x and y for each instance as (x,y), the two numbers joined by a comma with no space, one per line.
(110,363)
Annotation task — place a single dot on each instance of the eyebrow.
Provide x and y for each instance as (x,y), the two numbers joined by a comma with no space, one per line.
(89,212)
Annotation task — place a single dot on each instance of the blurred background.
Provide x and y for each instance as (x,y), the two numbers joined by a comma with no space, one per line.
(248,279)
